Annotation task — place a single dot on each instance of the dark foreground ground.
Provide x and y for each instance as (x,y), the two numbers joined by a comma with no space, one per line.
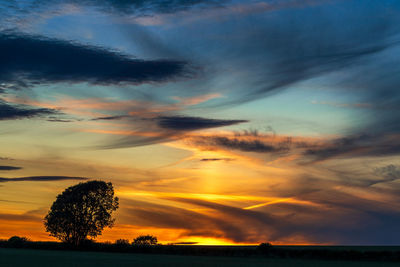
(54,258)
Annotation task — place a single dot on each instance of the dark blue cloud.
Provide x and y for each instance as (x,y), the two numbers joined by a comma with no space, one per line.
(216,159)
(9,168)
(12,112)
(355,145)
(243,144)
(142,6)
(59,120)
(136,7)
(183,123)
(168,128)
(117,117)
(28,60)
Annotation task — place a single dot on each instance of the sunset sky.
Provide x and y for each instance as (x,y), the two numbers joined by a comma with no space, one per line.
(218,122)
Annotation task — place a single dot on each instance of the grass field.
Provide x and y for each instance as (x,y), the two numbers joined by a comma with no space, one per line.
(28,257)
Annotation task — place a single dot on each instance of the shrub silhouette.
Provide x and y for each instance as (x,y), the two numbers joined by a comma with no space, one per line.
(122,242)
(80,211)
(145,240)
(17,241)
(265,245)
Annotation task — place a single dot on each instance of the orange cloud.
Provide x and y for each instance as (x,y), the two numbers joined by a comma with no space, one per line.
(101,107)
(191,101)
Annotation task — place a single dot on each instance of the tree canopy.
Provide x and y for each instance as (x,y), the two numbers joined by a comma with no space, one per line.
(80,211)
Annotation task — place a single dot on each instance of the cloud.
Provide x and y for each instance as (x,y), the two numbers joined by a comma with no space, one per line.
(293,46)
(343,105)
(300,45)
(148,6)
(9,168)
(137,140)
(12,112)
(164,128)
(361,145)
(389,173)
(286,48)
(59,120)
(164,216)
(216,159)
(20,217)
(184,123)
(243,145)
(118,117)
(40,179)
(123,6)
(276,52)
(14,201)
(194,100)
(304,150)
(246,141)
(104,108)
(296,45)
(316,218)
(301,150)
(28,60)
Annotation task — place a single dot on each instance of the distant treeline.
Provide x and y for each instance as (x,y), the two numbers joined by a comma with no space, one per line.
(263,250)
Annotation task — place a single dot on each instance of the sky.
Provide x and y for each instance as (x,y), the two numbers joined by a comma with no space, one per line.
(217,122)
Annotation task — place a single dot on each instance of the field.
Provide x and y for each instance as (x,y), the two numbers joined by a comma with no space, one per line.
(28,257)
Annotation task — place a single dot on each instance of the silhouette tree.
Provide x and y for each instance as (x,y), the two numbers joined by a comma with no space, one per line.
(80,211)
(145,240)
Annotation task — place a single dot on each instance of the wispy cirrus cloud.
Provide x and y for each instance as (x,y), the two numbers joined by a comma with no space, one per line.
(40,179)
(117,6)
(20,217)
(222,12)
(306,216)
(343,105)
(97,108)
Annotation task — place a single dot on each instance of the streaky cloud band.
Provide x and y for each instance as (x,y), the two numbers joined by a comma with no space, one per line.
(40,179)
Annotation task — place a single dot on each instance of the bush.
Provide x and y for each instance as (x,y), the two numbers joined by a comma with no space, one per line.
(145,240)
(122,242)
(264,246)
(88,243)
(17,241)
